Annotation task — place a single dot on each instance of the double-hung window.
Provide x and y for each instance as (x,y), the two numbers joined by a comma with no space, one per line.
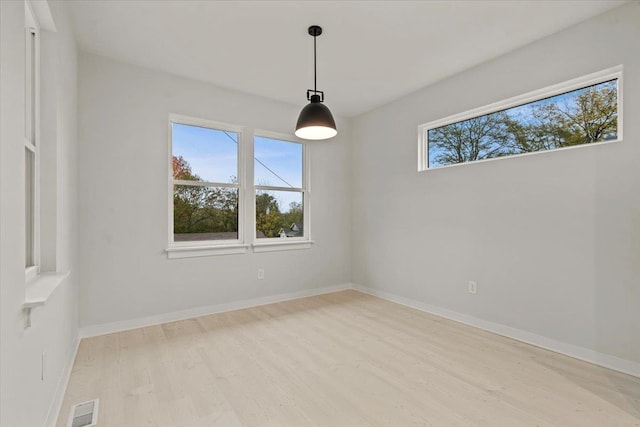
(281,194)
(206,186)
(213,211)
(40,143)
(31,147)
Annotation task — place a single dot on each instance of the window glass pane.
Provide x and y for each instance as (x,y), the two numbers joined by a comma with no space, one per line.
(277,163)
(204,213)
(578,117)
(203,154)
(279,213)
(32,89)
(29,208)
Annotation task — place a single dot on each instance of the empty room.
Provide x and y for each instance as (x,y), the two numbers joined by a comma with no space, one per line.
(319,213)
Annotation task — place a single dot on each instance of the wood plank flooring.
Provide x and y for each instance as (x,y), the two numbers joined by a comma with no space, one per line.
(342,359)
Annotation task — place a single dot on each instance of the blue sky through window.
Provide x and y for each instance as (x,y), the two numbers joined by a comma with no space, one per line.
(212,155)
(523,114)
(278,164)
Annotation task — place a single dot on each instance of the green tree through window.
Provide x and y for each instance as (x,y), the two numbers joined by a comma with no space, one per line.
(202,212)
(578,117)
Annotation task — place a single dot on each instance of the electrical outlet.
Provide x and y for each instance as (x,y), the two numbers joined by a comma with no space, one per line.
(26,317)
(473,287)
(260,273)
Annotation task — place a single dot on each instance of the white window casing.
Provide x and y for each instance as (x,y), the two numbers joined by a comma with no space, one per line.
(614,73)
(247,238)
(32,145)
(289,243)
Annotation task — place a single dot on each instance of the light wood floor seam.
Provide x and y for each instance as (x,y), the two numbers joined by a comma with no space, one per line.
(340,359)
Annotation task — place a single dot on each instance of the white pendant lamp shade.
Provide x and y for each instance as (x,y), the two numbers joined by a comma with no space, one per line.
(316,132)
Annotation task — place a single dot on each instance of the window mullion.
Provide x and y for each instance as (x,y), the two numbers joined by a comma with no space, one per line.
(248,188)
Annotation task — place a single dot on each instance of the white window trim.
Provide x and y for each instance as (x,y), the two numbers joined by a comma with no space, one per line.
(246,196)
(39,286)
(288,244)
(205,250)
(32,131)
(277,243)
(208,247)
(536,95)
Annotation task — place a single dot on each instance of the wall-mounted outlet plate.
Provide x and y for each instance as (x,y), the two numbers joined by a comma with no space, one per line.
(260,273)
(473,287)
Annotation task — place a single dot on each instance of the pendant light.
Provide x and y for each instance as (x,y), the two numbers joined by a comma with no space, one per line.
(315,120)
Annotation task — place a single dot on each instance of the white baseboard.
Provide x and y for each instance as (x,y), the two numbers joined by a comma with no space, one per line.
(125,325)
(61,388)
(577,352)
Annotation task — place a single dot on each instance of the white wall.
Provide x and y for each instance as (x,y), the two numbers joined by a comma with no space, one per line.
(25,399)
(553,239)
(123,116)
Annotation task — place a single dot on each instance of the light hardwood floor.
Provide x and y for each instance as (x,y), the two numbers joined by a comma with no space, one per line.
(341,359)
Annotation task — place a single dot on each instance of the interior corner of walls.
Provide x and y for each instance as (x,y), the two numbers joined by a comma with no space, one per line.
(358,287)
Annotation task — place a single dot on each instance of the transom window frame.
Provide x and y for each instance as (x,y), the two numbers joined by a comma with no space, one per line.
(289,242)
(247,237)
(613,73)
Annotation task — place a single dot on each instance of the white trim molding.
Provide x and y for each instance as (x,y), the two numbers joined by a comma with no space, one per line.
(613,73)
(605,360)
(32,141)
(577,352)
(247,189)
(208,250)
(188,249)
(284,244)
(274,243)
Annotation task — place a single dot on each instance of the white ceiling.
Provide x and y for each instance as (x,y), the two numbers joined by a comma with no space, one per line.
(371,52)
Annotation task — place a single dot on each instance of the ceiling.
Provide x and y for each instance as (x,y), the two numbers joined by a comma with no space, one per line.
(371,52)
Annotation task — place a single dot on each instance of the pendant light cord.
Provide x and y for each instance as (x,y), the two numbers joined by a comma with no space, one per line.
(315,67)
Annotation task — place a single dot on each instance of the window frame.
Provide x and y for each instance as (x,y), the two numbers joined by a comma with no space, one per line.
(32,139)
(246,195)
(279,243)
(613,73)
(208,247)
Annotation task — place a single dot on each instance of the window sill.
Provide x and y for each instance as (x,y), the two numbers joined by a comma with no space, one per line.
(282,245)
(40,288)
(177,252)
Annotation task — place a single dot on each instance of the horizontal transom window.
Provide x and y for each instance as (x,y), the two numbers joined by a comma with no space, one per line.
(579,112)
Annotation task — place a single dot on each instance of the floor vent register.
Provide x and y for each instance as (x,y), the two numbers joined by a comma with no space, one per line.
(84,414)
